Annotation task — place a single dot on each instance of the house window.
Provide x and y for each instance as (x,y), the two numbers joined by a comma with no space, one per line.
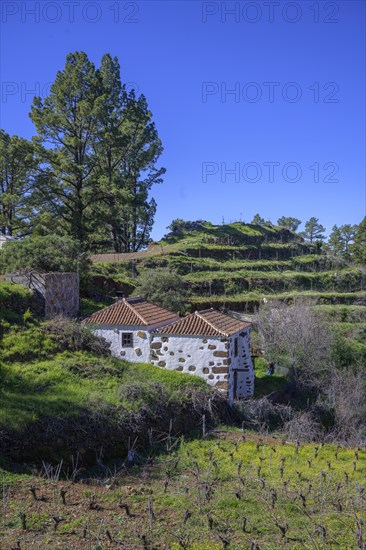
(127,340)
(236,345)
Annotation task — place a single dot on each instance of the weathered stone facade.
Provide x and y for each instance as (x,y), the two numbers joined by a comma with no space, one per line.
(222,363)
(58,292)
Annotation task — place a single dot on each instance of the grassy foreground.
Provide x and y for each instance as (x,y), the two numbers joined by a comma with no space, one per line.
(234,490)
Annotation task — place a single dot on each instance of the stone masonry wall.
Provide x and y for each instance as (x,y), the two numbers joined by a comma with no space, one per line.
(61,294)
(205,357)
(58,293)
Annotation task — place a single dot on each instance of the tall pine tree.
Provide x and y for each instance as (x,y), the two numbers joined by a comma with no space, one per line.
(18,165)
(99,149)
(66,123)
(127,150)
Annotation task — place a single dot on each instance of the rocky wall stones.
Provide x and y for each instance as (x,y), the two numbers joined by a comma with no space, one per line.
(214,359)
(61,294)
(220,354)
(193,355)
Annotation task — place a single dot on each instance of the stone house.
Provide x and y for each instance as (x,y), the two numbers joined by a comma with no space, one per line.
(127,325)
(208,343)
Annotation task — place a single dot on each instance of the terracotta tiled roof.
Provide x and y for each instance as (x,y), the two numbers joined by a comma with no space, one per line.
(131,312)
(205,323)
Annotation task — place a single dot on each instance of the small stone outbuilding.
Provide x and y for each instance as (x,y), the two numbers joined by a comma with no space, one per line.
(56,292)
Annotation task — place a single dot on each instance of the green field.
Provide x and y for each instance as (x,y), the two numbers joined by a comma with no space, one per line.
(231,490)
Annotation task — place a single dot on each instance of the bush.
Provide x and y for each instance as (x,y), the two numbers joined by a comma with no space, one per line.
(262,414)
(15,298)
(165,288)
(347,351)
(55,336)
(303,427)
(348,391)
(69,335)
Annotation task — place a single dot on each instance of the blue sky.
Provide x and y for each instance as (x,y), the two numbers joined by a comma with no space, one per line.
(260,105)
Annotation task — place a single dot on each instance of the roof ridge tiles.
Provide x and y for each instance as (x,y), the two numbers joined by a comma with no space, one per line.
(136,311)
(144,321)
(208,322)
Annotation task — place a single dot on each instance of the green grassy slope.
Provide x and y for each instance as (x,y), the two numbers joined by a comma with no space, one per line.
(61,393)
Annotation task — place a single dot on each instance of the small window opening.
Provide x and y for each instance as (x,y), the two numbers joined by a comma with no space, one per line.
(236,347)
(127,340)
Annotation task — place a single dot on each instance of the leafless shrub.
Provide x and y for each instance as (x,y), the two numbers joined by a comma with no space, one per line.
(347,391)
(303,427)
(296,337)
(263,414)
(71,335)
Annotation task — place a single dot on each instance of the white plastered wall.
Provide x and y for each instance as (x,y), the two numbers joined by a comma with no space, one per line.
(203,356)
(140,350)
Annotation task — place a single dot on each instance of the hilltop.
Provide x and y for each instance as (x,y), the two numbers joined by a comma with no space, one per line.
(238,265)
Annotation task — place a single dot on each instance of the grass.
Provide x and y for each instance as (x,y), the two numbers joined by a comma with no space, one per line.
(70,382)
(341,297)
(41,388)
(58,372)
(234,490)
(237,231)
(264,384)
(88,306)
(252,273)
(344,313)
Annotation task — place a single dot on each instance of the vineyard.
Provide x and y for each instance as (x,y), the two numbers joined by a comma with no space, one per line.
(231,489)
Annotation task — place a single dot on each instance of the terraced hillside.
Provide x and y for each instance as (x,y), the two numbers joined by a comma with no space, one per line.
(236,266)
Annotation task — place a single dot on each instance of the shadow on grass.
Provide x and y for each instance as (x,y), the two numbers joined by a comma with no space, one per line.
(266,385)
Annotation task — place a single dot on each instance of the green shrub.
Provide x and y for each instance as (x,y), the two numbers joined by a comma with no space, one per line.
(58,335)
(164,288)
(348,352)
(16,298)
